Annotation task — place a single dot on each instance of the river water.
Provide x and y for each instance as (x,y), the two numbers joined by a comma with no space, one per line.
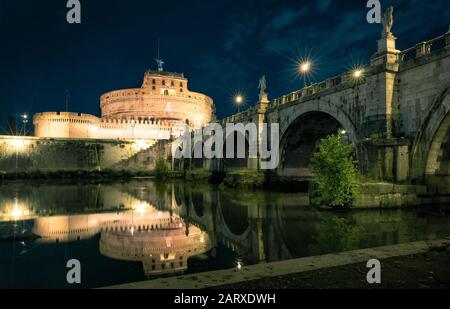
(129,231)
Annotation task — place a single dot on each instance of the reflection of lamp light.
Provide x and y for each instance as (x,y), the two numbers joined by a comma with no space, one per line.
(202,239)
(140,208)
(16,213)
(239,265)
(18,210)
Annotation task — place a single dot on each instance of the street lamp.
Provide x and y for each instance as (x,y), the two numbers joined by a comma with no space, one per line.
(305,68)
(239,99)
(24,121)
(357,73)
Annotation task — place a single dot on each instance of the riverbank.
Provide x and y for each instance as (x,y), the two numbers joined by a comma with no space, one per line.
(79,174)
(429,270)
(339,270)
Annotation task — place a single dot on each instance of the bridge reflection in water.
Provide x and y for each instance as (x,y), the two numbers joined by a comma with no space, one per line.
(168,226)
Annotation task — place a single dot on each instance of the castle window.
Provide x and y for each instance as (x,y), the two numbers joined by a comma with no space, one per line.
(163,82)
(181,89)
(181,84)
(172,83)
(154,82)
(153,88)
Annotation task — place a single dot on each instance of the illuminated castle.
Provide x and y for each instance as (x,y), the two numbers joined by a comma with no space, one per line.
(157,111)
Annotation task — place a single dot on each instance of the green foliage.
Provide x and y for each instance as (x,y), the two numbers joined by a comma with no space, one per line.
(335,172)
(161,169)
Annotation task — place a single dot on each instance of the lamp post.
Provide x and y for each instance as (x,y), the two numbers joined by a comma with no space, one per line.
(357,74)
(305,68)
(24,121)
(238,100)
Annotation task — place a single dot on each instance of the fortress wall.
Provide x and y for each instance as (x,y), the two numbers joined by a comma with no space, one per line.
(85,126)
(49,155)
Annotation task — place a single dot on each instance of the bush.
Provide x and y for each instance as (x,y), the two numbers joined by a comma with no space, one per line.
(335,173)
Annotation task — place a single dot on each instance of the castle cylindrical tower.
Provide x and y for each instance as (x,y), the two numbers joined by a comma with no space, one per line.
(156,111)
(163,96)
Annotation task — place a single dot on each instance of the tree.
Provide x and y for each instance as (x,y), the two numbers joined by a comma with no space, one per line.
(335,173)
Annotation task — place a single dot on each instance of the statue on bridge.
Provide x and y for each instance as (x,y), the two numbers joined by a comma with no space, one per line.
(388,21)
(262,89)
(262,85)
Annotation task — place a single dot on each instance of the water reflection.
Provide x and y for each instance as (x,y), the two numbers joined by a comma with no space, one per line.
(175,227)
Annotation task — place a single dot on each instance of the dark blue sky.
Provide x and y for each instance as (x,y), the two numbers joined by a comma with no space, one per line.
(223,46)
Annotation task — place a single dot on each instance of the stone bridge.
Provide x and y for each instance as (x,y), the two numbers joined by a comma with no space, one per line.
(397,112)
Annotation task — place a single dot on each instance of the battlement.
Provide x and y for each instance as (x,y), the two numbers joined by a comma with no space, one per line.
(165,74)
(65,117)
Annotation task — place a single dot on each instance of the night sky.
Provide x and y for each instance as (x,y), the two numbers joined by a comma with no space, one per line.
(222,46)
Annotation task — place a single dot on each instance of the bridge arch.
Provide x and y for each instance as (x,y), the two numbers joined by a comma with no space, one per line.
(198,203)
(235,162)
(197,162)
(301,128)
(430,159)
(233,218)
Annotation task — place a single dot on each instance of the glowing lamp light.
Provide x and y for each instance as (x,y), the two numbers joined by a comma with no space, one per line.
(17,143)
(305,67)
(239,99)
(141,145)
(358,73)
(202,239)
(343,132)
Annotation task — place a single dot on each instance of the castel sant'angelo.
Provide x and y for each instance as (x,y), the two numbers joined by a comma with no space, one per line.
(158,110)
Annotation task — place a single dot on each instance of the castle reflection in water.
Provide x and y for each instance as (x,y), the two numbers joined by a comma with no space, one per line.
(163,225)
(130,229)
